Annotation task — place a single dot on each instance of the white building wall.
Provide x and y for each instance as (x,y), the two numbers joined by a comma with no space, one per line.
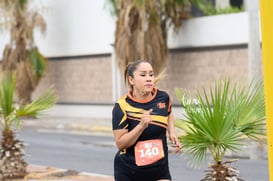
(85,27)
(77,28)
(229,29)
(73,28)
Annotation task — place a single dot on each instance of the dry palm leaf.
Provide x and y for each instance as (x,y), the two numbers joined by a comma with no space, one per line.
(141,29)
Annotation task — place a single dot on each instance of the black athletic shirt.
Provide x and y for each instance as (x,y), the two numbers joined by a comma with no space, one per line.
(126,114)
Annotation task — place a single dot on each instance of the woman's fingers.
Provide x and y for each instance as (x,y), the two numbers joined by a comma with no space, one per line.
(146,117)
(175,144)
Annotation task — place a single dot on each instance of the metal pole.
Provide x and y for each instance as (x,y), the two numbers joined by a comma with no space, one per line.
(266,7)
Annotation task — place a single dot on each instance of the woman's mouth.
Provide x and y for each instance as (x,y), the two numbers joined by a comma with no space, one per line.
(148,85)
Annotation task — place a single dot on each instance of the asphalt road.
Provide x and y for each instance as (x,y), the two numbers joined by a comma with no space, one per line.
(94,153)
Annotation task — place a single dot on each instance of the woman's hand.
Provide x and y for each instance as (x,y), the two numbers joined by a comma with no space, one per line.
(175,143)
(146,118)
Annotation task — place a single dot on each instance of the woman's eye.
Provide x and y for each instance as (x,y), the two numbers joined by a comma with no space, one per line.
(151,75)
(143,75)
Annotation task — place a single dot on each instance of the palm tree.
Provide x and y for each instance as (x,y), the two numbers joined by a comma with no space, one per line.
(21,54)
(141,28)
(220,121)
(12,164)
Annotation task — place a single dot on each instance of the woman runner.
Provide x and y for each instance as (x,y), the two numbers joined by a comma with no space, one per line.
(141,120)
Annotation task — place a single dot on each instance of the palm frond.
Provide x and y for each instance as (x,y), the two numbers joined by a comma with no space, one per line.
(194,148)
(37,62)
(22,3)
(6,99)
(250,119)
(43,102)
(6,93)
(111,5)
(184,125)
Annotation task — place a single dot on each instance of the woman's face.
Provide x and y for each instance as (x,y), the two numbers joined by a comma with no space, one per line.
(143,80)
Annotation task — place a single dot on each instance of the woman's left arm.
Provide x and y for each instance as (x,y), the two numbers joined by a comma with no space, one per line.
(171,132)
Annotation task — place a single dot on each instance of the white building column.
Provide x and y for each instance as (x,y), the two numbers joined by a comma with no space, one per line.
(254,43)
(116,79)
(221,4)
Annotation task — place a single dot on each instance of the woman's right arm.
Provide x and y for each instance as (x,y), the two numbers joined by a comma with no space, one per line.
(125,139)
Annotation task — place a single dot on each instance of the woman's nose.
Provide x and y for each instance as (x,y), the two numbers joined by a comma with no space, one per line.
(148,79)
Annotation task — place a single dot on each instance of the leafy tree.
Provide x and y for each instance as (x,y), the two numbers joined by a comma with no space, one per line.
(12,163)
(141,28)
(21,54)
(219,121)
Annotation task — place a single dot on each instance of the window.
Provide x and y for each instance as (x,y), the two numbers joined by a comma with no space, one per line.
(213,7)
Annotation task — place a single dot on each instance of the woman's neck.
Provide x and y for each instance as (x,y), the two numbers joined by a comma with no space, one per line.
(141,95)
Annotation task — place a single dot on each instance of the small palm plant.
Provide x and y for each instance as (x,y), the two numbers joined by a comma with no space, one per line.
(12,164)
(220,121)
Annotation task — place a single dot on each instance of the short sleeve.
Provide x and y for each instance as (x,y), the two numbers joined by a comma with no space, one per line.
(168,101)
(118,118)
(169,106)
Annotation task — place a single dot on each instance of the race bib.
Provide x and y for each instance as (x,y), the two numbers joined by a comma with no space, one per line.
(148,152)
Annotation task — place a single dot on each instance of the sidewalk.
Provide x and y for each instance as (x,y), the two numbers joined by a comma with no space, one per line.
(37,173)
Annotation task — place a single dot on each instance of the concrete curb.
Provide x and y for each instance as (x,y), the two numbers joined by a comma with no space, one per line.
(70,124)
(38,172)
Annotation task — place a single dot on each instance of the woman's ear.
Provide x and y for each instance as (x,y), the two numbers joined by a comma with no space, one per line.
(131,80)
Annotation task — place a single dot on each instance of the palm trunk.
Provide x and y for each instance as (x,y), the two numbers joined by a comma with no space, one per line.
(12,164)
(222,172)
